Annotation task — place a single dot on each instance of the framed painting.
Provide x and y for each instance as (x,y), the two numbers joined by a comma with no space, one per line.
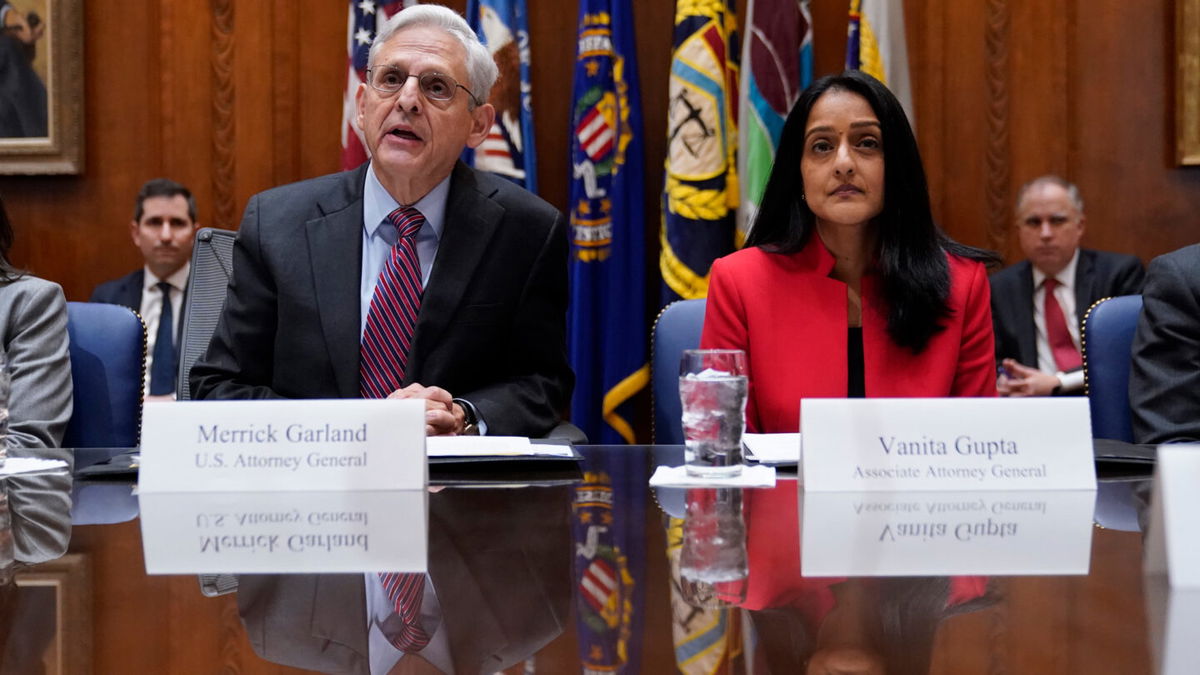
(41,86)
(1187,82)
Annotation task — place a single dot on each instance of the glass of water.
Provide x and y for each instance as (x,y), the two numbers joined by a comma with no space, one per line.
(712,389)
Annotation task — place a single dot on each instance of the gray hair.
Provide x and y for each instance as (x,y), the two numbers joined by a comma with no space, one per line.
(1051,179)
(481,69)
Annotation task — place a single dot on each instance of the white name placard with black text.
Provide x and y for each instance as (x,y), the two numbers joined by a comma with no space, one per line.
(1173,537)
(946,533)
(853,445)
(284,532)
(350,444)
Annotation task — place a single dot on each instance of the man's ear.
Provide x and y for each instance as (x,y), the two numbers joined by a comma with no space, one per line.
(133,232)
(482,118)
(358,105)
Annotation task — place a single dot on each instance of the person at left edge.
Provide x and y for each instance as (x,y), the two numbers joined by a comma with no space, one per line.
(33,342)
(163,229)
(488,353)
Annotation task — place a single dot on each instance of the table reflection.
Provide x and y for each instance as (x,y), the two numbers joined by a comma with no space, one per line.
(502,590)
(35,526)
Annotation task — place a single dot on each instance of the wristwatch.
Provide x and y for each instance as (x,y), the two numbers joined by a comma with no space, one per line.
(470,418)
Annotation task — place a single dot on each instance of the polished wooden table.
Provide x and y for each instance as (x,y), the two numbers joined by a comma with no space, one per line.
(575,570)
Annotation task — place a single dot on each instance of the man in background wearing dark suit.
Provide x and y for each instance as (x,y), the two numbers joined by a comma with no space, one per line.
(1164,380)
(163,228)
(412,276)
(1038,330)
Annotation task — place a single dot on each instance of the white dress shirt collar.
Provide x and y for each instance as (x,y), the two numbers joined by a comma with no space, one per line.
(378,203)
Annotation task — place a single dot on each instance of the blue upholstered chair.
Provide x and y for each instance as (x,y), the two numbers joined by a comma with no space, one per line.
(676,329)
(108,362)
(1108,329)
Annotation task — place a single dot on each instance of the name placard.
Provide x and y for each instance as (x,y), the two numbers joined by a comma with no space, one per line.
(1171,617)
(945,533)
(1173,540)
(281,532)
(852,445)
(352,444)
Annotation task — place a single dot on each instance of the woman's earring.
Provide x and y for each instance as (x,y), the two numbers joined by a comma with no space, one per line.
(801,196)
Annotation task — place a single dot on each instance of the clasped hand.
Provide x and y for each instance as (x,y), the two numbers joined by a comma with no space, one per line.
(1021,380)
(443,417)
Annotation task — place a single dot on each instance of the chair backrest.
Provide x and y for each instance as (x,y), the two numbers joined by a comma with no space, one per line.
(108,362)
(208,281)
(677,328)
(1108,329)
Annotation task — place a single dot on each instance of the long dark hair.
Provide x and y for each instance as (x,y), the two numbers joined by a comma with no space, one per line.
(7,271)
(911,257)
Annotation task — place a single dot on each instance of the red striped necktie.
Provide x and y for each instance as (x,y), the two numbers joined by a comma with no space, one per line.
(406,591)
(392,316)
(1066,354)
(391,324)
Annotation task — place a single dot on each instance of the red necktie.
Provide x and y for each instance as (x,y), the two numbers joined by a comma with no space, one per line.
(391,322)
(392,316)
(405,592)
(1066,355)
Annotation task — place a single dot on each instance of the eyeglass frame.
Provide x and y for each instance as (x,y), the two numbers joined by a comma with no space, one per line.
(407,75)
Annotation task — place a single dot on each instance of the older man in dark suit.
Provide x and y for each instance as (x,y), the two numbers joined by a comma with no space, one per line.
(163,229)
(413,276)
(1038,304)
(1164,381)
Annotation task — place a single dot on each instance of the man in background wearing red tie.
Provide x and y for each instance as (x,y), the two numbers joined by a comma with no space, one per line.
(412,276)
(1038,303)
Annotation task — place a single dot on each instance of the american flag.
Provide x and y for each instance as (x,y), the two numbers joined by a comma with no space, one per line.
(360,31)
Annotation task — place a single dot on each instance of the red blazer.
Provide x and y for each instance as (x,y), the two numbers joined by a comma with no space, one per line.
(790,317)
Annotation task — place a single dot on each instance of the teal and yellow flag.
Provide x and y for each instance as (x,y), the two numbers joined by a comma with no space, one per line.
(700,197)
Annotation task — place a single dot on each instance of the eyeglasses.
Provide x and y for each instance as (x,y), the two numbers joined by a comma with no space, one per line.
(434,86)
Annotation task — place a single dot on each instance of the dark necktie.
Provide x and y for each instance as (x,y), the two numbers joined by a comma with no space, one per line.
(406,591)
(1066,356)
(162,372)
(392,316)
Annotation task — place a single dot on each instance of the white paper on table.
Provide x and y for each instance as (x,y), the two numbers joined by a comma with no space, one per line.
(16,465)
(677,476)
(772,448)
(492,446)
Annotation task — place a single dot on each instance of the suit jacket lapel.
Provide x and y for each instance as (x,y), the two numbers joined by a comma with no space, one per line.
(471,220)
(339,611)
(334,245)
(132,293)
(1085,281)
(1027,334)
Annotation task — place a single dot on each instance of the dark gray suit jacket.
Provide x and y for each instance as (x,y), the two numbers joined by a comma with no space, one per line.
(1098,275)
(1164,380)
(492,326)
(500,561)
(125,291)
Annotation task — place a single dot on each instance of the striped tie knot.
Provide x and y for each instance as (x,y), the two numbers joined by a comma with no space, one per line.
(407,220)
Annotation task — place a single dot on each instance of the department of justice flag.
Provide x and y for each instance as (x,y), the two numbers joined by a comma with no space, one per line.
(777,61)
(508,150)
(606,319)
(700,195)
(360,31)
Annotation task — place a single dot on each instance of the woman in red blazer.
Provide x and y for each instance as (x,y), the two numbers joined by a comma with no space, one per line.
(846,286)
